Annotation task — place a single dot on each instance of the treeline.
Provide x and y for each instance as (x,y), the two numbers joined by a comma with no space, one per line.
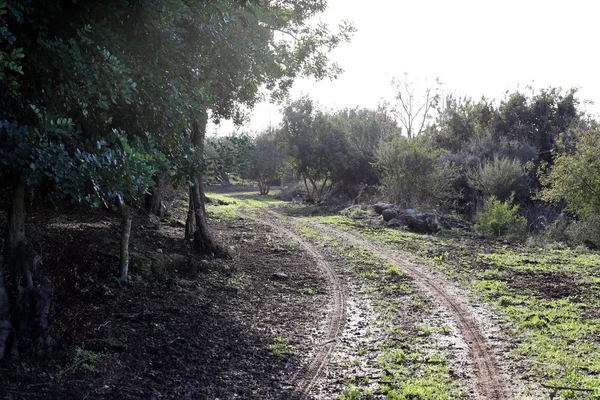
(529,156)
(103,102)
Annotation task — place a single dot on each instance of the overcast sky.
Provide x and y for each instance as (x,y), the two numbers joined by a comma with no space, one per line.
(475,47)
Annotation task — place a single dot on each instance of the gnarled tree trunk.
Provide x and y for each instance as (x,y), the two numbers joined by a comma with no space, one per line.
(25,296)
(197,223)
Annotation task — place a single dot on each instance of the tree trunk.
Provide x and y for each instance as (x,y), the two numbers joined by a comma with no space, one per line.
(190,225)
(153,199)
(225,179)
(126,220)
(203,240)
(197,221)
(24,301)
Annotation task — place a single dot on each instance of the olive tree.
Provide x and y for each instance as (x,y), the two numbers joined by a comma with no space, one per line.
(316,148)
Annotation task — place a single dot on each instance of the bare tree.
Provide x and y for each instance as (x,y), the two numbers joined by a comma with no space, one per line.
(412,109)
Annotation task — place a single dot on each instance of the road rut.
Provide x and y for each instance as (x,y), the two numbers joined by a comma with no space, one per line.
(489,381)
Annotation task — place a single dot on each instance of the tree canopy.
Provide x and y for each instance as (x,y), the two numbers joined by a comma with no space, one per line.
(100,100)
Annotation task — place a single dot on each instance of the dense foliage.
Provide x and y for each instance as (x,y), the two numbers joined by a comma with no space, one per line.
(413,174)
(575,175)
(101,102)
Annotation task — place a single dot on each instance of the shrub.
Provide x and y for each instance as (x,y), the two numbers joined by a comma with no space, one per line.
(414,175)
(500,218)
(499,177)
(585,232)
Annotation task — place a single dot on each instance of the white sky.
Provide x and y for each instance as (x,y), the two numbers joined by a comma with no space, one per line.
(475,47)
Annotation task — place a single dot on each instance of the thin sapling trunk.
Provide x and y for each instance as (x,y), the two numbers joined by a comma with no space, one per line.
(126,221)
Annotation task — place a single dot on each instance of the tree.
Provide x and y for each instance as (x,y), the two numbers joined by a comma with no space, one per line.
(574,177)
(364,129)
(266,163)
(412,111)
(318,151)
(77,76)
(248,55)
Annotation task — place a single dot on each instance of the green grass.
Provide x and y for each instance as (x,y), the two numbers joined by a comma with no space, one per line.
(237,202)
(549,299)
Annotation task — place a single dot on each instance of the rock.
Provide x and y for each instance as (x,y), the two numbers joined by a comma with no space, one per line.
(139,265)
(288,194)
(395,223)
(422,222)
(280,276)
(379,207)
(389,214)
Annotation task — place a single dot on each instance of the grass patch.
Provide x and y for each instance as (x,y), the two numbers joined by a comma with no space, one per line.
(549,299)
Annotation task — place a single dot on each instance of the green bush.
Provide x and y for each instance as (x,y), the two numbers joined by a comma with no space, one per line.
(574,178)
(499,177)
(500,218)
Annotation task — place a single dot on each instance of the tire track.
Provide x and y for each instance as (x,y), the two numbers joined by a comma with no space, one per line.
(306,379)
(489,382)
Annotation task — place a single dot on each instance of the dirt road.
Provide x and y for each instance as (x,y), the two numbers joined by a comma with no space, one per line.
(487,378)
(306,378)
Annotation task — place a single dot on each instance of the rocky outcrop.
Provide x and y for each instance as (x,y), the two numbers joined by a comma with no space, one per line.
(396,223)
(379,207)
(389,214)
(422,222)
(414,220)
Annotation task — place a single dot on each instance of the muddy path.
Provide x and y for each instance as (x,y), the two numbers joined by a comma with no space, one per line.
(488,379)
(306,378)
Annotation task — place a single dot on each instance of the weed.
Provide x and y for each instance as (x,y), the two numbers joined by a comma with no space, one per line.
(82,358)
(238,281)
(350,392)
(280,347)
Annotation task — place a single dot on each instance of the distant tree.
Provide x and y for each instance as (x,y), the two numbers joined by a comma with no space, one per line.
(227,155)
(412,110)
(538,119)
(266,161)
(460,122)
(317,150)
